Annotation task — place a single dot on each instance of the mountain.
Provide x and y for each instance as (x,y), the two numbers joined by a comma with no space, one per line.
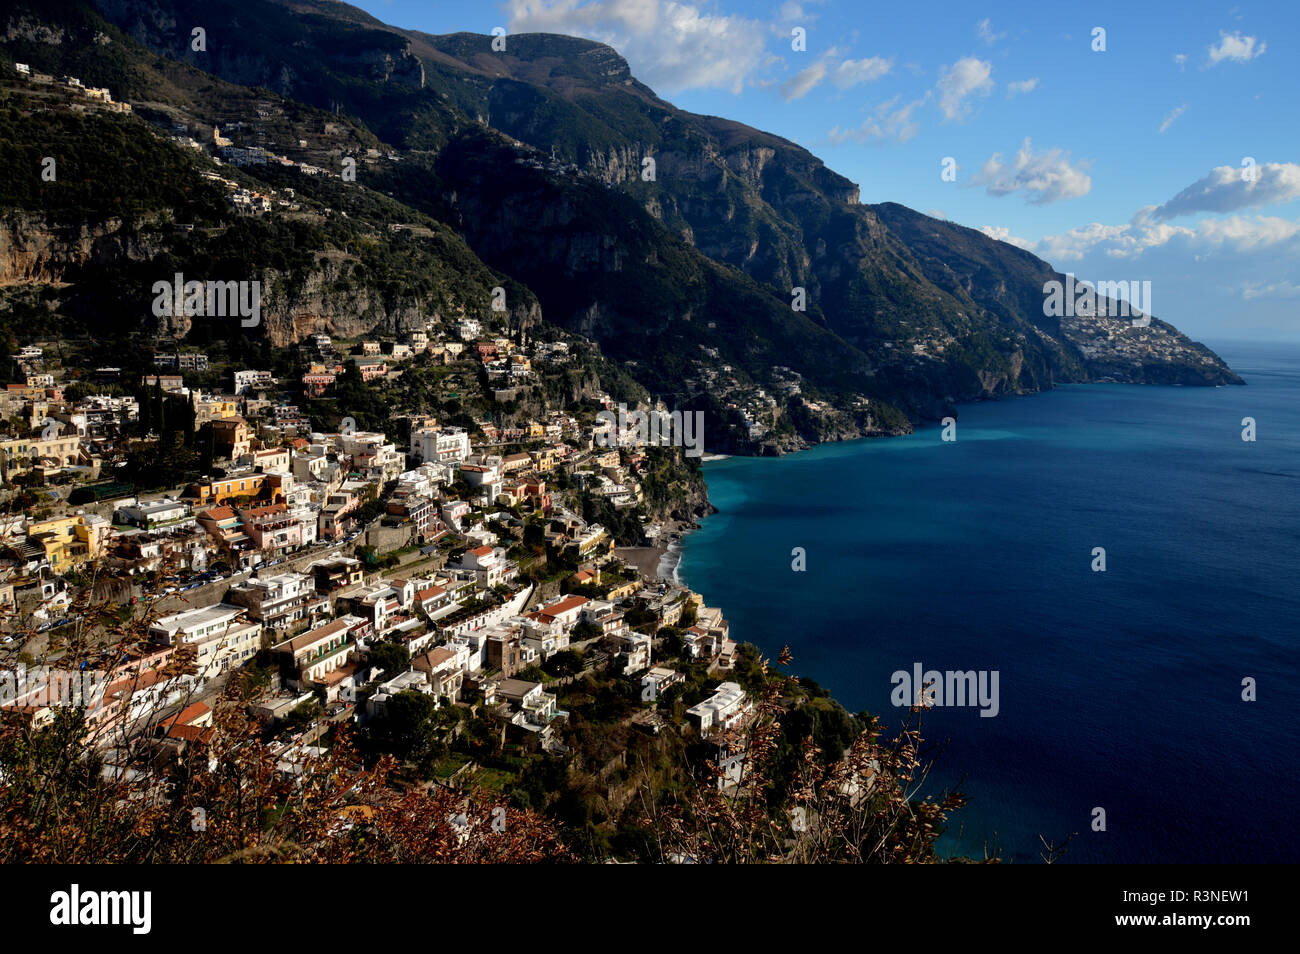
(675,241)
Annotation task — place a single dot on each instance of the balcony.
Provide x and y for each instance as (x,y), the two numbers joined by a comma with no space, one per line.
(325,652)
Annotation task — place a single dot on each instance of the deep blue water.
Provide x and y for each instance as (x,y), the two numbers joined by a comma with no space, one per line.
(1119,689)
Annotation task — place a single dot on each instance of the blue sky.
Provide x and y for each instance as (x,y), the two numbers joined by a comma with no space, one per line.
(1125,163)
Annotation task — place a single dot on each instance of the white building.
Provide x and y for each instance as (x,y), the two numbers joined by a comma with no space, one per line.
(246,381)
(439,444)
(534,708)
(725,708)
(488,565)
(223,637)
(152,514)
(633,650)
(278,602)
(377,704)
(371,454)
(424,480)
(453,512)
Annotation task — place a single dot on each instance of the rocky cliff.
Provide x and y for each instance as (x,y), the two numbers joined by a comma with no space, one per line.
(679,242)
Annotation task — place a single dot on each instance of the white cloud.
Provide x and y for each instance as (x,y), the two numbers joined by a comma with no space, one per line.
(1003,234)
(1226,189)
(1172,117)
(1234,235)
(799,85)
(985,31)
(796,13)
(847,74)
(967,77)
(791,12)
(1235,47)
(853,72)
(1255,290)
(1243,233)
(1180,59)
(1022,86)
(889,122)
(1211,276)
(671,46)
(936,213)
(1044,177)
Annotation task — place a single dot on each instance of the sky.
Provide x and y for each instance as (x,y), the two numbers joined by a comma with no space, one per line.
(1142,141)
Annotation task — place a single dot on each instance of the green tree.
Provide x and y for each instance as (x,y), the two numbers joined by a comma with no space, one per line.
(567,662)
(304,714)
(408,732)
(390,657)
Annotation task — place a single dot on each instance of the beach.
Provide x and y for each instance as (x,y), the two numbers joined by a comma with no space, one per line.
(645,559)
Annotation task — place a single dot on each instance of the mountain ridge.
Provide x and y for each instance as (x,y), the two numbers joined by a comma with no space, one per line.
(902,310)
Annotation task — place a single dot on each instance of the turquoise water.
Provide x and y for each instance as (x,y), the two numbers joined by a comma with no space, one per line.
(1119,689)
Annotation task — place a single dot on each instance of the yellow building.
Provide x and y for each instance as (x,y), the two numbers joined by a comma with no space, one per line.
(214,407)
(594,538)
(544,460)
(623,590)
(257,486)
(70,541)
(22,454)
(232,437)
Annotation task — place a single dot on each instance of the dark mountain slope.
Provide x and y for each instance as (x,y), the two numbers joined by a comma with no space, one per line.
(536,157)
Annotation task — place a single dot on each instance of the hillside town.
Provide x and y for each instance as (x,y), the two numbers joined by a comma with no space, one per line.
(345,569)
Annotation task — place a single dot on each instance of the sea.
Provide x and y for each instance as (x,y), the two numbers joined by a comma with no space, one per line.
(1147,711)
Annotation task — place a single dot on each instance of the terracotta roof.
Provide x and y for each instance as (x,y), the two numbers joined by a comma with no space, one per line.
(563,606)
(191,714)
(266,511)
(433,658)
(320,632)
(190,733)
(336,676)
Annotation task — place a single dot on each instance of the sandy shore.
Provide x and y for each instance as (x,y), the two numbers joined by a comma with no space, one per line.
(645,559)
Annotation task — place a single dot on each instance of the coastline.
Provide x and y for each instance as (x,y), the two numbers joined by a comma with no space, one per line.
(987,756)
(658,562)
(669,560)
